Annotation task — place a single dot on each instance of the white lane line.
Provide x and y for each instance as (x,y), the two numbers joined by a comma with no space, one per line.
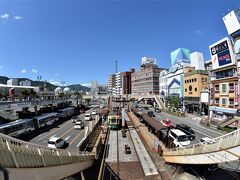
(50,137)
(81,142)
(53,131)
(67,138)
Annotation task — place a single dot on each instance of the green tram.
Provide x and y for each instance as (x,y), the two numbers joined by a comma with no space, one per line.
(114,121)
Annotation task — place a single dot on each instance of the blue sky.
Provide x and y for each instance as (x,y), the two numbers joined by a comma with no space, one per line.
(79,41)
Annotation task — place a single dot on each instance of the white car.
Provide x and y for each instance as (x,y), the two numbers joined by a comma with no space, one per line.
(207,140)
(79,125)
(56,142)
(88,117)
(180,139)
(94,113)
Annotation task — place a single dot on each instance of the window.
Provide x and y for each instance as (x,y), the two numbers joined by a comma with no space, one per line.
(224,101)
(223,87)
(195,79)
(202,79)
(185,81)
(231,101)
(190,80)
(195,89)
(217,101)
(206,79)
(231,87)
(190,88)
(185,90)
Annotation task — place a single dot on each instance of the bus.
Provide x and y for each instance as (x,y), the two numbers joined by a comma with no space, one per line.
(67,112)
(114,121)
(45,119)
(18,127)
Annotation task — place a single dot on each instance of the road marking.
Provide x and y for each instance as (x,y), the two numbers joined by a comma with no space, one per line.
(81,142)
(67,132)
(76,137)
(53,131)
(67,138)
(50,137)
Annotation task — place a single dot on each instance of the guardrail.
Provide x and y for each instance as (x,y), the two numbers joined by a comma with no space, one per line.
(22,104)
(15,153)
(226,141)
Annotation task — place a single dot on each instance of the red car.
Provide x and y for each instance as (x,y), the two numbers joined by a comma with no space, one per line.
(166,123)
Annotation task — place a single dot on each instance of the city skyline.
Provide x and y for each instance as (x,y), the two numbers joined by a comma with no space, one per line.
(64,42)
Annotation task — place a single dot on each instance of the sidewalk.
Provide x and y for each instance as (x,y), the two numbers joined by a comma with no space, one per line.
(148,139)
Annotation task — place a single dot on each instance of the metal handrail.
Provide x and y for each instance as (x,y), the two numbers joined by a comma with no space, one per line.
(223,142)
(16,153)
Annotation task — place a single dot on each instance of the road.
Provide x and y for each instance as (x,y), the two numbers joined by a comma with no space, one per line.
(67,132)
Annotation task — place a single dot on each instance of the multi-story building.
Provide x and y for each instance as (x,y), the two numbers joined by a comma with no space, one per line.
(25,83)
(146,81)
(111,84)
(12,82)
(197,60)
(126,81)
(224,84)
(195,81)
(94,87)
(171,81)
(118,83)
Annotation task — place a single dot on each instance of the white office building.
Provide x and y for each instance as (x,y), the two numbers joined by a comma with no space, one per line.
(118,83)
(12,82)
(25,83)
(197,60)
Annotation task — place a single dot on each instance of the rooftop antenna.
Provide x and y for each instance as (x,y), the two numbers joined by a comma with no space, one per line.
(116,67)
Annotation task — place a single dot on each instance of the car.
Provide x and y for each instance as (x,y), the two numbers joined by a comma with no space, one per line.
(180,139)
(157,110)
(140,109)
(88,117)
(186,129)
(56,142)
(146,108)
(74,119)
(207,140)
(150,113)
(166,123)
(79,125)
(94,113)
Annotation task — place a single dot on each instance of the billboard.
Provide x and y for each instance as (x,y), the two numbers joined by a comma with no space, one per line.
(180,55)
(222,53)
(232,21)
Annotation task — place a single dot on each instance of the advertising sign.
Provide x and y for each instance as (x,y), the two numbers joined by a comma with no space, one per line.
(236,93)
(222,53)
(232,21)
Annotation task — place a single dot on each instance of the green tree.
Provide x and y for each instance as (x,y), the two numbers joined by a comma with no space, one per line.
(25,93)
(174,102)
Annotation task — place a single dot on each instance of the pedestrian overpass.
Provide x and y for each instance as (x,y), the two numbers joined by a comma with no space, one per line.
(223,149)
(24,160)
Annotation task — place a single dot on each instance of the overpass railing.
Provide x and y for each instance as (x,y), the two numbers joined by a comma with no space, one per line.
(224,142)
(22,104)
(15,153)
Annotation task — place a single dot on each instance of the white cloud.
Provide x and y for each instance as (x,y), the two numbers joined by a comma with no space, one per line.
(86,84)
(23,71)
(34,70)
(197,32)
(1,67)
(17,17)
(5,16)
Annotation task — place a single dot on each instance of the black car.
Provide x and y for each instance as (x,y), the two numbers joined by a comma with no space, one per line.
(187,130)
(146,108)
(151,114)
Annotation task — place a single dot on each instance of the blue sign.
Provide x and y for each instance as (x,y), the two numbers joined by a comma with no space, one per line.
(224,58)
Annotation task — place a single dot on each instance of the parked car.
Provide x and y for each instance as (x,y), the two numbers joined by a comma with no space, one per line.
(79,125)
(186,129)
(207,140)
(146,108)
(94,113)
(150,113)
(180,139)
(167,123)
(56,142)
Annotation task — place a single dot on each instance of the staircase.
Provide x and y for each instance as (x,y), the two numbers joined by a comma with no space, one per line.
(9,115)
(230,121)
(159,102)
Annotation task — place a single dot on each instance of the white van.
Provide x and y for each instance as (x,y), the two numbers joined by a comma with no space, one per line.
(88,117)
(56,142)
(180,139)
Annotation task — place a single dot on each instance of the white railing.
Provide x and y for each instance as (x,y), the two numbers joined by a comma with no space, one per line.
(224,142)
(19,154)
